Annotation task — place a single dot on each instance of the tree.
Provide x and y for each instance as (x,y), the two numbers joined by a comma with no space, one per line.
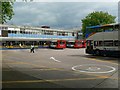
(96,18)
(6,11)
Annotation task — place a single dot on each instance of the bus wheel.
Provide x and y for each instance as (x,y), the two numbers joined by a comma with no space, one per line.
(104,54)
(97,52)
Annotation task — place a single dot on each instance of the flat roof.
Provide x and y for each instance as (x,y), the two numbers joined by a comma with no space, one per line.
(105,25)
(37,28)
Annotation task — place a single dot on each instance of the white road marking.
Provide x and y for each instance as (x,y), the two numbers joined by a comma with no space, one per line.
(54,59)
(93,68)
(112,68)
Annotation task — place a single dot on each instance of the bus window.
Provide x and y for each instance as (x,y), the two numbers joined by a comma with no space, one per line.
(96,43)
(83,42)
(101,43)
(108,43)
(89,43)
(61,42)
(116,43)
(72,43)
(53,43)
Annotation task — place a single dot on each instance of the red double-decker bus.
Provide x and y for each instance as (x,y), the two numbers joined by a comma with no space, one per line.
(80,44)
(59,44)
(76,44)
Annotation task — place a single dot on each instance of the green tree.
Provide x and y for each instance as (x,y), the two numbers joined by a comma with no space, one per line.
(96,18)
(6,11)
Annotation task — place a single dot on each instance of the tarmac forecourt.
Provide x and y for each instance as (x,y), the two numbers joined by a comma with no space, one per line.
(57,73)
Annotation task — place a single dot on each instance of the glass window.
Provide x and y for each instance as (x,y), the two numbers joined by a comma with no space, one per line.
(101,43)
(20,31)
(108,43)
(88,43)
(63,33)
(53,43)
(116,43)
(116,27)
(23,32)
(12,31)
(71,43)
(62,42)
(6,27)
(73,34)
(15,32)
(9,31)
(96,43)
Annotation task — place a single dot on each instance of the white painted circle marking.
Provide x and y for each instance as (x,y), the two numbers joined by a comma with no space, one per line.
(91,70)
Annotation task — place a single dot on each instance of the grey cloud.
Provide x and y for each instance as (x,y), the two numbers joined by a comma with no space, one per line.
(58,15)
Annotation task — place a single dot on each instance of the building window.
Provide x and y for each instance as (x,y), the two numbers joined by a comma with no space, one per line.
(73,34)
(20,31)
(9,31)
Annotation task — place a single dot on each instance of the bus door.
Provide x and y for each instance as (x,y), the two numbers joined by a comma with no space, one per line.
(89,44)
(83,42)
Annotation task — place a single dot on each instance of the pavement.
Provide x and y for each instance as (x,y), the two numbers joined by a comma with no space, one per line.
(53,68)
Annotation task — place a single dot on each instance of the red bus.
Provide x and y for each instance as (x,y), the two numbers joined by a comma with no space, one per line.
(59,44)
(76,44)
(70,43)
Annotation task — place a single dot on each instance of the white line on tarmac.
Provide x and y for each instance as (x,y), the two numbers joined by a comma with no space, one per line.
(54,59)
(74,68)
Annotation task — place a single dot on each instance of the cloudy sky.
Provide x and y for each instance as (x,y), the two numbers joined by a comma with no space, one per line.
(65,15)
